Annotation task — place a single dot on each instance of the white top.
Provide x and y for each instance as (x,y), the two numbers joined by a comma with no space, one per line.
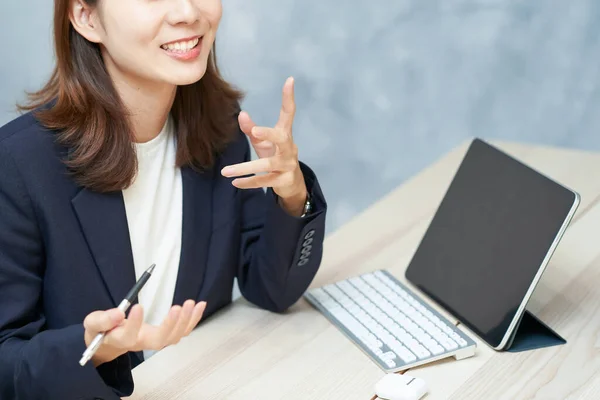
(154,206)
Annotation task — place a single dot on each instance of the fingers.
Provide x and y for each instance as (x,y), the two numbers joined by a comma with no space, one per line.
(273,179)
(273,135)
(134,323)
(165,329)
(264,139)
(246,123)
(125,336)
(268,142)
(288,106)
(262,165)
(190,316)
(134,335)
(180,327)
(157,337)
(248,168)
(286,114)
(102,321)
(196,316)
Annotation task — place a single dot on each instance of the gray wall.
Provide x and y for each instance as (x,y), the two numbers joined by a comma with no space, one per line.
(385,87)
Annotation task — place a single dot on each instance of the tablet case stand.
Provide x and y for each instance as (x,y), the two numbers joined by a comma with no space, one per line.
(531,333)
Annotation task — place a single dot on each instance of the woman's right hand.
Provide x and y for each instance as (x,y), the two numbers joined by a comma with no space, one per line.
(132,334)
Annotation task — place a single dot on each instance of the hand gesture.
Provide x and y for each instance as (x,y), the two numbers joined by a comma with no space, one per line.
(277,166)
(132,334)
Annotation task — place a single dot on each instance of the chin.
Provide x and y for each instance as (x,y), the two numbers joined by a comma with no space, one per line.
(186,76)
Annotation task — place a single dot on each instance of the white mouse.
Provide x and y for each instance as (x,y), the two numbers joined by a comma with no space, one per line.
(400,387)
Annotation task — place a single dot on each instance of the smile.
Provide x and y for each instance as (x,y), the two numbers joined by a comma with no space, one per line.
(187,49)
(181,46)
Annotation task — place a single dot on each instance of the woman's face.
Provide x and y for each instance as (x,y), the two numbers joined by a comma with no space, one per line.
(166,41)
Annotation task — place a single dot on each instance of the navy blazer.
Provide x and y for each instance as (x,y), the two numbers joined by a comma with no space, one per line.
(65,252)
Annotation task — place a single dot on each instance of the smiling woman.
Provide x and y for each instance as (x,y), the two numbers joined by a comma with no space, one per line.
(135,153)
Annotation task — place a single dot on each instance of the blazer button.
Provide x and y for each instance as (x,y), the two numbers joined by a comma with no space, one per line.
(303,261)
(304,253)
(310,234)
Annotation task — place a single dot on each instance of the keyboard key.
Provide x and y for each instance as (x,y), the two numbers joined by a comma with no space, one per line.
(422,352)
(404,353)
(437,349)
(456,337)
(389,355)
(448,343)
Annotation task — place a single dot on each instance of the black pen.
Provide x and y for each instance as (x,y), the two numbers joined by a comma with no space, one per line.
(125,304)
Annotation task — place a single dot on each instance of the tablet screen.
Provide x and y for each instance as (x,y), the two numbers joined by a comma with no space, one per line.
(489,238)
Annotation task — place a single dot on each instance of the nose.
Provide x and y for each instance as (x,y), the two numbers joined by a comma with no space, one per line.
(184,12)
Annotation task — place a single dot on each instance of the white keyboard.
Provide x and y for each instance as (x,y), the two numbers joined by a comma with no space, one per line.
(389,322)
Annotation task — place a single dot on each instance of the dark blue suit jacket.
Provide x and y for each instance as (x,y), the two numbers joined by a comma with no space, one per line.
(65,251)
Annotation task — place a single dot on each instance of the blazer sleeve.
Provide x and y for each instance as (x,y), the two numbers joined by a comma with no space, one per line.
(280,253)
(35,363)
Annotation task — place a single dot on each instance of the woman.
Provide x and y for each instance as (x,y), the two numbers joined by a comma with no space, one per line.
(135,153)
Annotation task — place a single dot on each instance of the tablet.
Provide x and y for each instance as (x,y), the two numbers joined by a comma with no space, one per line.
(490,240)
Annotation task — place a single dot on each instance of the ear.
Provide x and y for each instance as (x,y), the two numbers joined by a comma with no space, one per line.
(84,20)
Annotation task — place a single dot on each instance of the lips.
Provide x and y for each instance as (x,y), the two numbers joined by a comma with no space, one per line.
(187,49)
(181,46)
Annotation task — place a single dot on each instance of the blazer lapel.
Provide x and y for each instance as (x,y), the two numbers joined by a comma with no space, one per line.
(104,223)
(197,211)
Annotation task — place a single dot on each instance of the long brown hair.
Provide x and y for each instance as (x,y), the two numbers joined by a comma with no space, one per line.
(80,102)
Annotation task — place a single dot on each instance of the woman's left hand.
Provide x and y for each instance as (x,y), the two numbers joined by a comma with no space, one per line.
(278,164)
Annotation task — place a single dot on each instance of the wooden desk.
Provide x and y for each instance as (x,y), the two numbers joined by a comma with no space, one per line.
(246,353)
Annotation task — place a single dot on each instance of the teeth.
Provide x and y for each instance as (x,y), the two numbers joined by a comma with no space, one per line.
(181,46)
